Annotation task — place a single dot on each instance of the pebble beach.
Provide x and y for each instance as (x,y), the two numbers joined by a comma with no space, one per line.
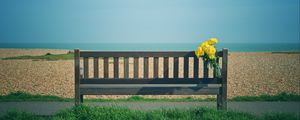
(249,73)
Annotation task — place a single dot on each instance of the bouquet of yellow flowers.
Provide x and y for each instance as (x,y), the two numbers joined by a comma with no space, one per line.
(208,51)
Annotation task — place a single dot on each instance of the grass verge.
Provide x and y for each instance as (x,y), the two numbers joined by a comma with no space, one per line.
(116,113)
(53,57)
(22,96)
(278,97)
(48,56)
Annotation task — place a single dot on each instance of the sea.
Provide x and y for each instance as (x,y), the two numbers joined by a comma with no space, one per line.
(233,47)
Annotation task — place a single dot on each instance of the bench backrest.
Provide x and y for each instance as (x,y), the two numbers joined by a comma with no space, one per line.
(84,84)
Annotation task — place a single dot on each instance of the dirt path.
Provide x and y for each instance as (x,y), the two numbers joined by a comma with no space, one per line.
(257,108)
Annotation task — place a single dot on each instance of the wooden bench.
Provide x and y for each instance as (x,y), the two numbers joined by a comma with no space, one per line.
(156,85)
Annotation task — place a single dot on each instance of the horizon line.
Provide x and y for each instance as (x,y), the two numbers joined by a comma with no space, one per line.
(146,42)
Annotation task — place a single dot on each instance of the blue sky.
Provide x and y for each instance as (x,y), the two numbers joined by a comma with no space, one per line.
(151,21)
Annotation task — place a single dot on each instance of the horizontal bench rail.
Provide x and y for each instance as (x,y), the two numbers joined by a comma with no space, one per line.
(148,85)
(140,54)
(150,91)
(152,81)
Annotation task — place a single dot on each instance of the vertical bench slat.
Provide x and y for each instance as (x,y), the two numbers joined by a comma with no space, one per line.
(224,79)
(77,76)
(116,67)
(105,67)
(155,75)
(219,99)
(205,69)
(175,68)
(196,67)
(96,67)
(186,67)
(136,67)
(219,96)
(215,70)
(85,67)
(86,74)
(126,67)
(146,67)
(166,67)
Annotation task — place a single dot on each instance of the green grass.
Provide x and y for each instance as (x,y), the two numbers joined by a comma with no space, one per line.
(279,97)
(52,57)
(116,113)
(19,115)
(280,116)
(48,56)
(141,98)
(22,96)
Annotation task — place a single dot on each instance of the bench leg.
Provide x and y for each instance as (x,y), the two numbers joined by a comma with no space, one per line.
(221,100)
(78,100)
(81,98)
(224,102)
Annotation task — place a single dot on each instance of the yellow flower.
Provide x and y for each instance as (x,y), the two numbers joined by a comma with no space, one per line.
(208,48)
(212,41)
(199,52)
(210,51)
(212,57)
(205,46)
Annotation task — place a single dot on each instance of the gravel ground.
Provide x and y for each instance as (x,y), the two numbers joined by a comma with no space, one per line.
(248,74)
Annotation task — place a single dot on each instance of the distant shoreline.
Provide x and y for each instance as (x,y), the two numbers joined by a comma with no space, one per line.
(275,52)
